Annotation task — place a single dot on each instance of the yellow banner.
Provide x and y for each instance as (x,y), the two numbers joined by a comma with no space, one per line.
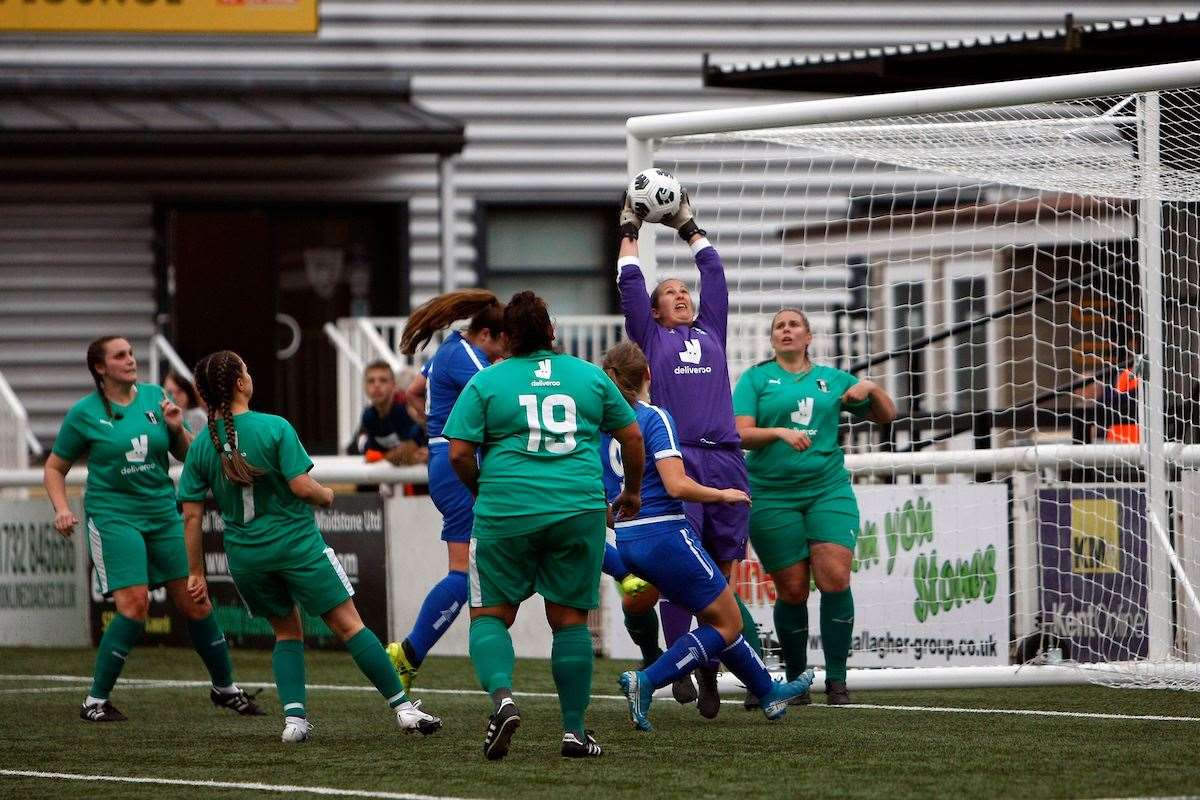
(160,16)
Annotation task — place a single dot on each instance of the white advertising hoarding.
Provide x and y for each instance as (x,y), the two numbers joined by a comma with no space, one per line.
(43,578)
(930,581)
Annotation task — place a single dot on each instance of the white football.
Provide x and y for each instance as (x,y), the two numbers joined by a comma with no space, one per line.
(654,194)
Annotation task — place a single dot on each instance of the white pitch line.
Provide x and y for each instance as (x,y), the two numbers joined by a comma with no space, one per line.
(155,683)
(1030,712)
(260,787)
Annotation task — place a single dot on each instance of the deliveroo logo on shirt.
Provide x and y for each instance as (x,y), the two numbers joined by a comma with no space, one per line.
(803,415)
(691,355)
(542,374)
(141,449)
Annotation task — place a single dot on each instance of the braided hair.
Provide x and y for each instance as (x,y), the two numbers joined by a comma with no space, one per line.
(95,357)
(216,378)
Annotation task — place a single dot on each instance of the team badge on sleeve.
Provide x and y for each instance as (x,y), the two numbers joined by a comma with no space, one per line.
(150,415)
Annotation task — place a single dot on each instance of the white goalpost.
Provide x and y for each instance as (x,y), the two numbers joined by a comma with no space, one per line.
(1019,264)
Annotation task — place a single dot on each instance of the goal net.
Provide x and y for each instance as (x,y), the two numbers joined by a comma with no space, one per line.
(1024,279)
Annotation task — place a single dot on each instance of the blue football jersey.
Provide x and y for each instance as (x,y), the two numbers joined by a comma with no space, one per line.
(452,366)
(658,431)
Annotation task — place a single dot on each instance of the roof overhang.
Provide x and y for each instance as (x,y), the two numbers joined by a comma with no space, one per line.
(206,112)
(1069,49)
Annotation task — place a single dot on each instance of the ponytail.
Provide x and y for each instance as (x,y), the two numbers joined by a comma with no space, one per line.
(480,305)
(625,363)
(95,357)
(527,323)
(216,376)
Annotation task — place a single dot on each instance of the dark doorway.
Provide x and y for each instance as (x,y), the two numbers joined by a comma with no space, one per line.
(264,279)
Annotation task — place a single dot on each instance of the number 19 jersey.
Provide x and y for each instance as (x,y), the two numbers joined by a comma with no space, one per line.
(538,418)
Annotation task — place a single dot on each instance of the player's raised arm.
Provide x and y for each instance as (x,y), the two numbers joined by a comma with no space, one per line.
(635,301)
(713,313)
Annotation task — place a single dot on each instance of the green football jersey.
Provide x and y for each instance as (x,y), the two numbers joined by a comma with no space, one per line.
(126,455)
(266,517)
(538,418)
(811,402)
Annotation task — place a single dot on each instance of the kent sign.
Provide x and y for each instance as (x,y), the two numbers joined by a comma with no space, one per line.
(159,16)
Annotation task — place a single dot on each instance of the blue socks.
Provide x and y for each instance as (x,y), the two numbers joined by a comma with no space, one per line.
(438,612)
(689,651)
(613,566)
(748,667)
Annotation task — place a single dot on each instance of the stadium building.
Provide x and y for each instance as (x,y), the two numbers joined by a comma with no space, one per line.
(205,183)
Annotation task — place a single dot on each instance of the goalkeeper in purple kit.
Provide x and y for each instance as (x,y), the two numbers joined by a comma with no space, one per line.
(686,351)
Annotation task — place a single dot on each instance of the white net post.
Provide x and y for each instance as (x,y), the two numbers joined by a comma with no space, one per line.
(1150,274)
(1018,264)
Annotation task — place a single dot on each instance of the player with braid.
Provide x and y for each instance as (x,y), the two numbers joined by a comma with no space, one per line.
(460,356)
(805,521)
(126,429)
(660,545)
(686,351)
(257,470)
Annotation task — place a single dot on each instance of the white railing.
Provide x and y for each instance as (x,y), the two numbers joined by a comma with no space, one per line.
(360,340)
(16,437)
(160,350)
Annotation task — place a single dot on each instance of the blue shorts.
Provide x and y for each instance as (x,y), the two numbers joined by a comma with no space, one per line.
(668,555)
(723,528)
(452,498)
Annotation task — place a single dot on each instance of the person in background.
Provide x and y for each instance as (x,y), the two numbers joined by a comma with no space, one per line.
(685,346)
(805,521)
(257,471)
(184,394)
(539,516)
(126,429)
(386,431)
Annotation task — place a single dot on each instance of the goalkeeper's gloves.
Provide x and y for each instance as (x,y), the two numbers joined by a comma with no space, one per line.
(684,220)
(631,585)
(630,222)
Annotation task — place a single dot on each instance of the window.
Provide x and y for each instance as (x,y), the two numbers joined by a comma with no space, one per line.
(908,325)
(967,295)
(565,253)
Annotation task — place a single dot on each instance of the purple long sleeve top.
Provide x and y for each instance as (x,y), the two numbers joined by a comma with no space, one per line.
(688,368)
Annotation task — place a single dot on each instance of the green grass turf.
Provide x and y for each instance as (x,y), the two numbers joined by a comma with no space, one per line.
(814,752)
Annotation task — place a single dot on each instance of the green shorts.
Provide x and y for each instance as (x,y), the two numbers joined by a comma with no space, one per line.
(317,583)
(561,562)
(781,526)
(134,553)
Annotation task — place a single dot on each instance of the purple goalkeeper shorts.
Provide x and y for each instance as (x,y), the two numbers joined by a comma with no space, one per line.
(723,528)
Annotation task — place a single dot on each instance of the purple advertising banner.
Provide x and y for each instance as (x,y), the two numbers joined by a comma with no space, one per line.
(1094,575)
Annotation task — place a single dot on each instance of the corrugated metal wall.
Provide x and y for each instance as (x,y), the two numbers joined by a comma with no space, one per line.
(543,87)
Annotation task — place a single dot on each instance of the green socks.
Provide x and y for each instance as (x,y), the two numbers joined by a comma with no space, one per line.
(791,626)
(571,663)
(837,625)
(749,628)
(492,654)
(287,662)
(373,661)
(643,629)
(210,644)
(119,638)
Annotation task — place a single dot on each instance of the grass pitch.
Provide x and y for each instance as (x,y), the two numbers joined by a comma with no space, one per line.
(174,733)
